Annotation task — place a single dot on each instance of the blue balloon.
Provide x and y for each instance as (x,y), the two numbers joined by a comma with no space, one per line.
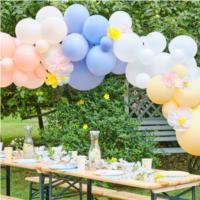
(106,43)
(100,62)
(75,47)
(75,16)
(95,27)
(82,79)
(120,67)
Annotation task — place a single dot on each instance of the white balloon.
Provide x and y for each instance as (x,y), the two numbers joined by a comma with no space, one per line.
(53,30)
(155,41)
(141,80)
(162,63)
(146,56)
(48,11)
(135,68)
(185,43)
(28,30)
(121,20)
(142,38)
(127,47)
(187,62)
(177,54)
(41,46)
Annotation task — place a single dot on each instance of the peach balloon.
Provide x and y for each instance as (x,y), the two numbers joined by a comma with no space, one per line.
(26,58)
(189,97)
(158,92)
(5,79)
(19,78)
(7,64)
(40,72)
(169,107)
(180,70)
(189,140)
(7,45)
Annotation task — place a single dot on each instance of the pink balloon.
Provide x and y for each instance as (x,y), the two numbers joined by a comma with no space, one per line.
(19,78)
(33,81)
(5,79)
(7,45)
(40,72)
(26,58)
(6,64)
(17,42)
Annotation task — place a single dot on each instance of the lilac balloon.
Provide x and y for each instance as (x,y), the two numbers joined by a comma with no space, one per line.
(119,68)
(82,79)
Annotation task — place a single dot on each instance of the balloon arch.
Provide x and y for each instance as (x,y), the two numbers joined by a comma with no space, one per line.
(79,50)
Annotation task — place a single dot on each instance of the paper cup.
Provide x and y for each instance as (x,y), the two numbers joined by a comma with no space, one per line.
(147,163)
(81,162)
(8,153)
(74,154)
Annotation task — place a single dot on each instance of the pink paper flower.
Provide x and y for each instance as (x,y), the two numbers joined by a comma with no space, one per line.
(169,79)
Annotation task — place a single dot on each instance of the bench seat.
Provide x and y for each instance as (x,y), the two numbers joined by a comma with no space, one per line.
(4,197)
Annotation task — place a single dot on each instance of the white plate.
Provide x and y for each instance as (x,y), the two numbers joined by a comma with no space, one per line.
(2,155)
(173,173)
(105,172)
(61,167)
(26,161)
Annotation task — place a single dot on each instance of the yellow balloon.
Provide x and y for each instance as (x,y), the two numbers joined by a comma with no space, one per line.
(168,107)
(189,140)
(180,70)
(158,92)
(189,97)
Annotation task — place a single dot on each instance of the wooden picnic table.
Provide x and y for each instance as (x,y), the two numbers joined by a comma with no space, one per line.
(191,181)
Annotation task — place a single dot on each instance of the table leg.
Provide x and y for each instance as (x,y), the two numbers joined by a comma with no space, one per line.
(50,186)
(41,186)
(153,196)
(89,189)
(8,180)
(193,193)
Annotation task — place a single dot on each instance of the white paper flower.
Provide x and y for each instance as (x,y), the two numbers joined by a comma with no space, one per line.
(184,83)
(180,119)
(62,79)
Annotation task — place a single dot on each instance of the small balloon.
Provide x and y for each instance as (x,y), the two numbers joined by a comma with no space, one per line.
(41,46)
(141,80)
(168,107)
(100,62)
(40,72)
(7,64)
(180,70)
(19,78)
(106,43)
(119,68)
(5,78)
(146,56)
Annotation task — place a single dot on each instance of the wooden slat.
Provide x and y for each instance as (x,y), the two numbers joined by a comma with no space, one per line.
(154,128)
(153,121)
(165,139)
(159,133)
(169,150)
(4,197)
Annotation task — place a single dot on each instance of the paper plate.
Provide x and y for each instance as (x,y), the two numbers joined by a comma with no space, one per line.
(62,167)
(26,161)
(109,172)
(173,173)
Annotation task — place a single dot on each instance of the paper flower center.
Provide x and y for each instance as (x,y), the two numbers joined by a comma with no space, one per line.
(113,33)
(185,84)
(181,121)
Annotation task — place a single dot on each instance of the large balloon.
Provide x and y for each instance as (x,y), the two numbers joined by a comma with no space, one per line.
(184,43)
(189,139)
(168,107)
(75,16)
(5,78)
(141,80)
(19,78)
(6,64)
(75,47)
(53,30)
(7,45)
(26,58)
(99,62)
(180,70)
(155,41)
(146,56)
(120,67)
(127,47)
(48,11)
(82,79)
(95,27)
(189,97)
(28,30)
(121,20)
(158,92)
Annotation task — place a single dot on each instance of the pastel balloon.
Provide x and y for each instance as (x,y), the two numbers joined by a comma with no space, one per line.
(106,43)
(189,97)
(180,70)
(26,58)
(189,139)
(95,27)
(146,56)
(6,64)
(100,62)
(53,30)
(75,47)
(75,16)
(119,68)
(155,41)
(28,30)
(40,72)
(158,92)
(19,78)
(184,43)
(48,11)
(127,47)
(169,107)
(7,45)
(6,78)
(141,80)
(41,46)
(82,79)
(177,55)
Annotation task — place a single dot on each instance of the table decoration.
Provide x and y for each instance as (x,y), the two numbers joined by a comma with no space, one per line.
(8,153)
(81,160)
(1,146)
(26,161)
(147,163)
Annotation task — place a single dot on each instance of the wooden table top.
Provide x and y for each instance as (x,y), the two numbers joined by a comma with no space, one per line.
(42,168)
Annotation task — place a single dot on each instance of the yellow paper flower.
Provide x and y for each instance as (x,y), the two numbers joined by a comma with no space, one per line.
(113,33)
(157,177)
(81,102)
(85,126)
(51,80)
(106,96)
(113,159)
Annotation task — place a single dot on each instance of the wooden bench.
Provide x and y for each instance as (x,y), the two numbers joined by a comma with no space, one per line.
(100,191)
(159,129)
(4,197)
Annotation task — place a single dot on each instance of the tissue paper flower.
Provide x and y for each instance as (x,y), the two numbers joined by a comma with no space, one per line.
(184,83)
(113,33)
(106,96)
(169,79)
(51,80)
(180,119)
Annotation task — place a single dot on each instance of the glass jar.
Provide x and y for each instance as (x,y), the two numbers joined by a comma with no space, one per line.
(28,148)
(94,152)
